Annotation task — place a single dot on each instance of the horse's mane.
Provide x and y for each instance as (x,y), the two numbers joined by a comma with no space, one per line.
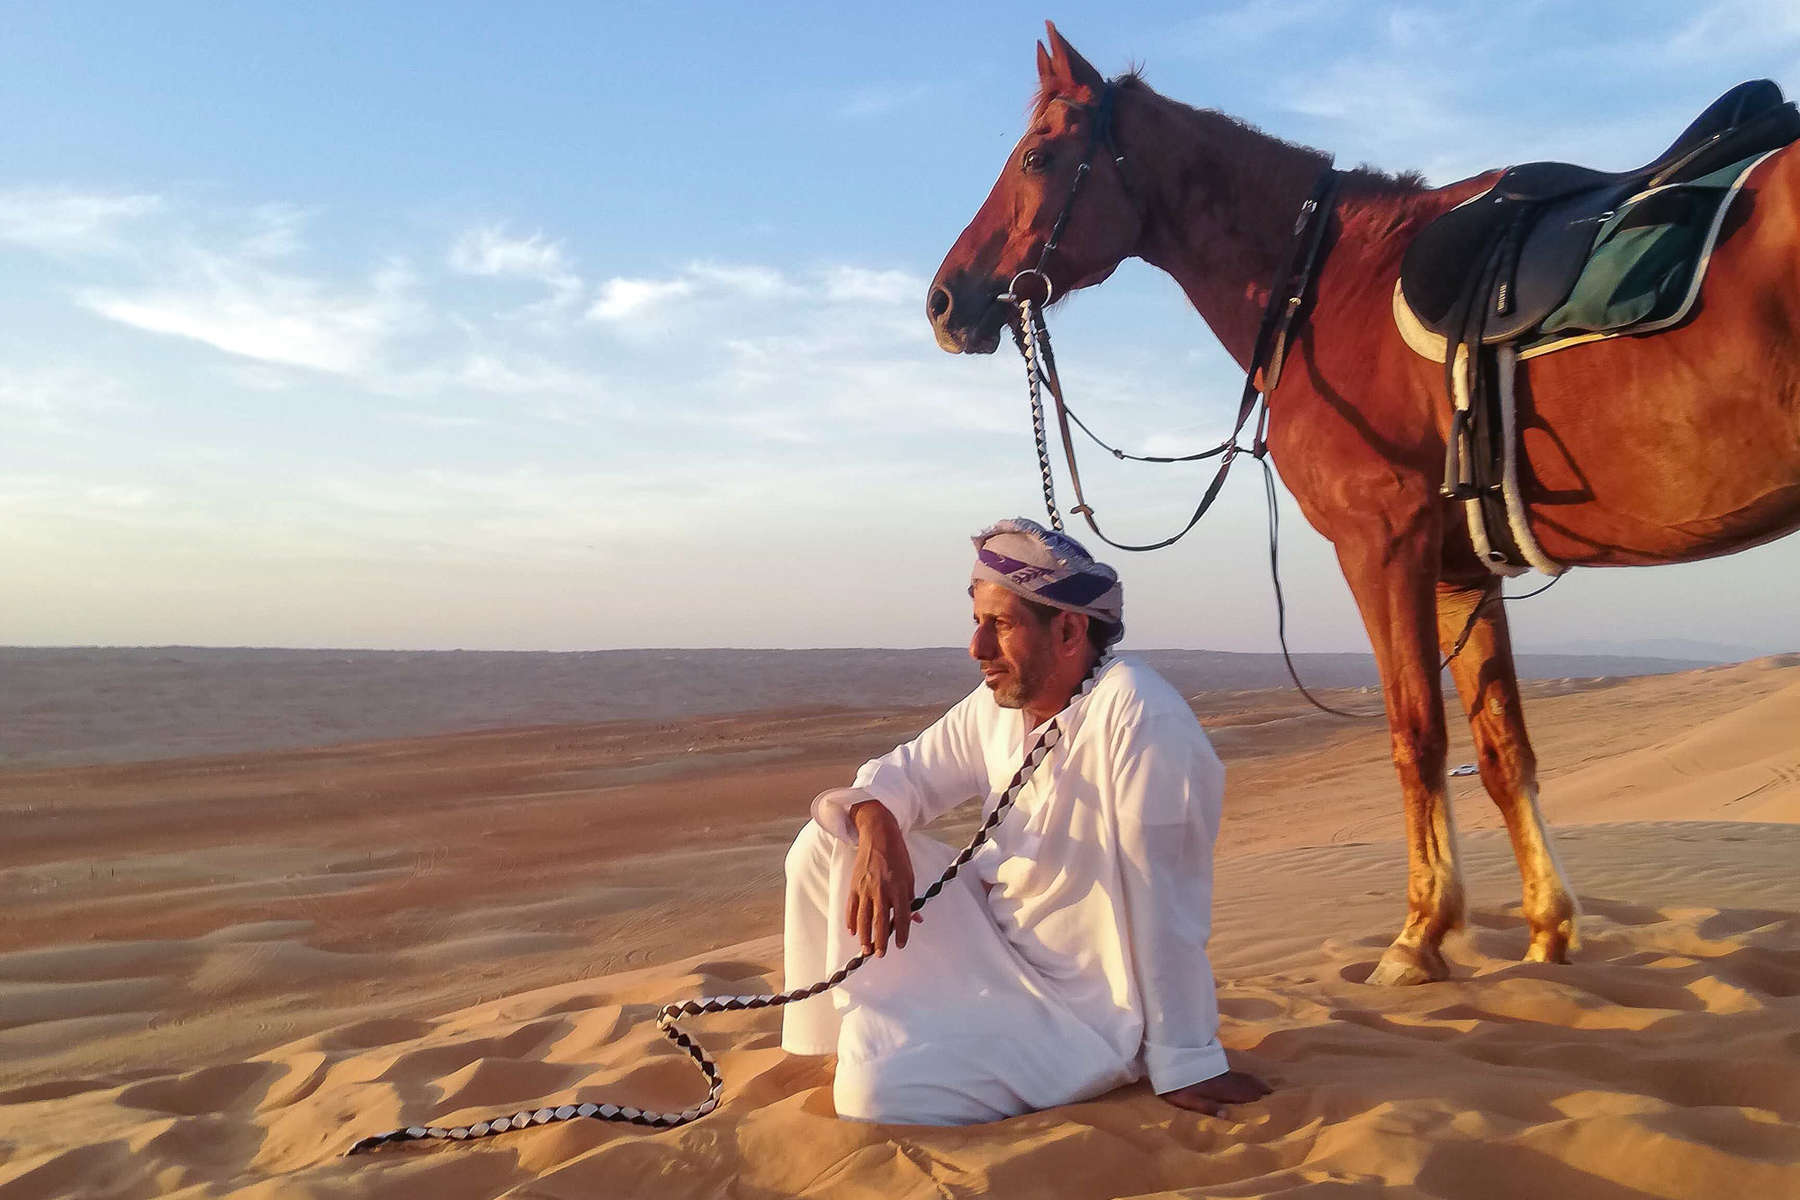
(1361,180)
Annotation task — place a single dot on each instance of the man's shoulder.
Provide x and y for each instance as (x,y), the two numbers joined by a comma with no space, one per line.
(1131,687)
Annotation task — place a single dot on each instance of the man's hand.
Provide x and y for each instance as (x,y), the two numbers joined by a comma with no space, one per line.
(1210,1096)
(881,882)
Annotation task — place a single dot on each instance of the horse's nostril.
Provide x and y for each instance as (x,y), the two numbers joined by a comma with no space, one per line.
(938,304)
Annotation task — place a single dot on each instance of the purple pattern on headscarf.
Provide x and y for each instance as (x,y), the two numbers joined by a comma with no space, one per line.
(1078,589)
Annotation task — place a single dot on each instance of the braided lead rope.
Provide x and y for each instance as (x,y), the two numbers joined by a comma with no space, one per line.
(1026,335)
(665,1017)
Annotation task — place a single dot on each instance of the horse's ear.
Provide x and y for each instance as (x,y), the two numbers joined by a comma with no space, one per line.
(1066,66)
(1046,72)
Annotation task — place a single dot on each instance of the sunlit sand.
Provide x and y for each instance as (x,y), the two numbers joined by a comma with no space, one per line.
(217,973)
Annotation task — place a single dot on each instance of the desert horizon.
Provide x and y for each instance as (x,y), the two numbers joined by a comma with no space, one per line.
(70,705)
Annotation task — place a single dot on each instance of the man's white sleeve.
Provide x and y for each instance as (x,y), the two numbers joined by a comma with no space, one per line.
(1170,786)
(929,775)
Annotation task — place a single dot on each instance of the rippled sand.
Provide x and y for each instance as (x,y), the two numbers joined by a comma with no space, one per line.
(215,974)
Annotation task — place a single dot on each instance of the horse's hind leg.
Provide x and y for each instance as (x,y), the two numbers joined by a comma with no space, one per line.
(1489,687)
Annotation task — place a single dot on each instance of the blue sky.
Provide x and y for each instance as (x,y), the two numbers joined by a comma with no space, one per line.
(547,326)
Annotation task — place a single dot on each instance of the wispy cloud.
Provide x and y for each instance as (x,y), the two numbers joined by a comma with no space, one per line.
(1734,29)
(493,253)
(240,307)
(233,282)
(624,299)
(647,305)
(61,400)
(26,496)
(498,375)
(845,284)
(1253,23)
(62,220)
(744,357)
(1378,85)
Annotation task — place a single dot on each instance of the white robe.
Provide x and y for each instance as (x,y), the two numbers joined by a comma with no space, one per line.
(1083,968)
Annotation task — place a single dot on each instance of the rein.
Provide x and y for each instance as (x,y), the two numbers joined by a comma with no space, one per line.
(666,1016)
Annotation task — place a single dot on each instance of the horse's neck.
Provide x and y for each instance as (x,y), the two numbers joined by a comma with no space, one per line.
(1220,203)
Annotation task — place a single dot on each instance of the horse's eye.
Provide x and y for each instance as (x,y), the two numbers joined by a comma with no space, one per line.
(1036,160)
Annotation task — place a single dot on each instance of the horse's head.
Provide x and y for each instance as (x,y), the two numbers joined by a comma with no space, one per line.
(1070,126)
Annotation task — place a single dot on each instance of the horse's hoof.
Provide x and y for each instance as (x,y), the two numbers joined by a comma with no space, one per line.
(1547,948)
(1405,966)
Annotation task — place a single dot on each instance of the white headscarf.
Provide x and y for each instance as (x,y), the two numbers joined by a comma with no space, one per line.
(1049,567)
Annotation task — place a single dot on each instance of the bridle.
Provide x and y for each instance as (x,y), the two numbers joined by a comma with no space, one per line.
(1287,296)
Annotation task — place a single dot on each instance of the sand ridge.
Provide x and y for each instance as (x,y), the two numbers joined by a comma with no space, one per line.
(216,974)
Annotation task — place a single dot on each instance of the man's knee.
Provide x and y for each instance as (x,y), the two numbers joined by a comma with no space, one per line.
(810,855)
(882,1093)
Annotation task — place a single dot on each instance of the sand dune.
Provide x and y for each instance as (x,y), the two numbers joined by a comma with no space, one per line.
(216,974)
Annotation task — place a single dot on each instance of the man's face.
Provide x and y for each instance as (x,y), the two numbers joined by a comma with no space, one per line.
(1013,645)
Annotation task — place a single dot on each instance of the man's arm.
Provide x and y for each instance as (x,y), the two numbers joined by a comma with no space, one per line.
(1169,788)
(918,780)
(881,882)
(902,789)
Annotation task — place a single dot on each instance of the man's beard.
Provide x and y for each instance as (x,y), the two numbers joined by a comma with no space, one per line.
(1021,683)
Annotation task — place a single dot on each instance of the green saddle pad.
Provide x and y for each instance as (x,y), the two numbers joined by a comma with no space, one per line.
(1648,260)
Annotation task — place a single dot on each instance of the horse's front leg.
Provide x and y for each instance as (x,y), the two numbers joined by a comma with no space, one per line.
(1489,687)
(1392,567)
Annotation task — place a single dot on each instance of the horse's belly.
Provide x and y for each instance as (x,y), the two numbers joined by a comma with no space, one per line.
(1669,473)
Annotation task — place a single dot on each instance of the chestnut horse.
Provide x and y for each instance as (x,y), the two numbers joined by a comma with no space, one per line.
(1642,450)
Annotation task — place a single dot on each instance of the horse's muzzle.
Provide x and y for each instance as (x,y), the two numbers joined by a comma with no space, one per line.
(966,316)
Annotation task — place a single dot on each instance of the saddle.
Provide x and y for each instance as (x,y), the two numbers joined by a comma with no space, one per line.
(1488,273)
(1522,244)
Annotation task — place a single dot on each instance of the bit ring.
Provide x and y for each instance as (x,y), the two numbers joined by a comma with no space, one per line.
(1011,294)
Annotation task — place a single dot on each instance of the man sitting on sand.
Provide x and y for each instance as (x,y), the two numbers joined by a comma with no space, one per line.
(1069,956)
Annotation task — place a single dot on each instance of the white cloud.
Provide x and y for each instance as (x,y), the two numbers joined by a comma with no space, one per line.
(239,306)
(854,284)
(492,252)
(1735,29)
(623,300)
(275,232)
(64,220)
(755,282)
(649,302)
(486,372)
